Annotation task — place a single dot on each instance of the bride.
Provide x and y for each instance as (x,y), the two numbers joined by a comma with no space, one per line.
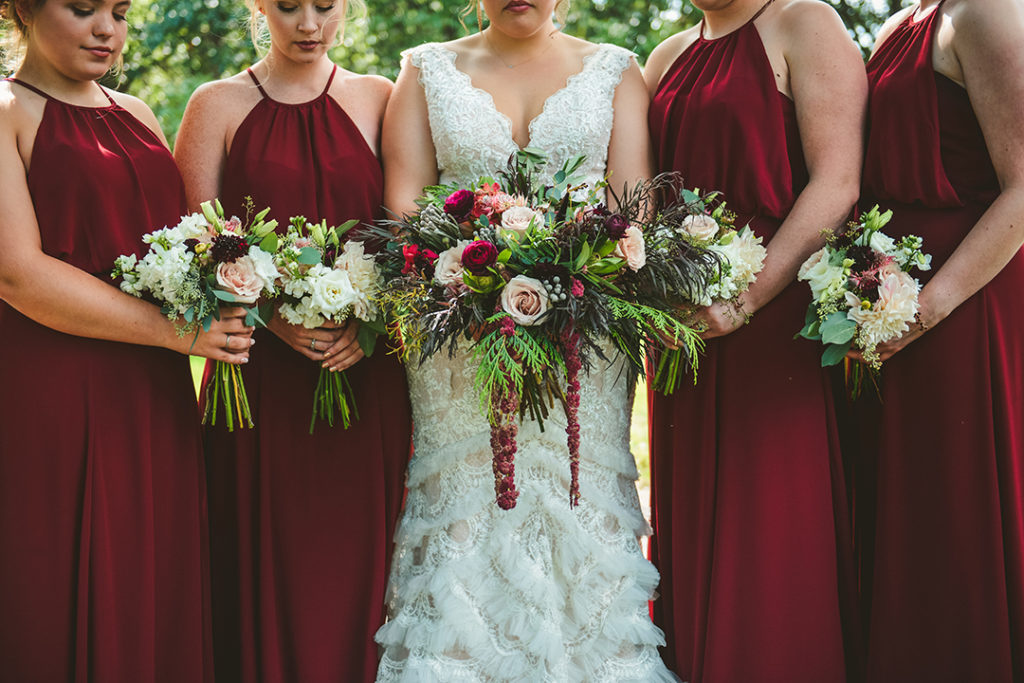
(541,592)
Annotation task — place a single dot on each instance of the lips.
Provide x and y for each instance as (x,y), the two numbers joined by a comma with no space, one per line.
(99,51)
(308,44)
(518,6)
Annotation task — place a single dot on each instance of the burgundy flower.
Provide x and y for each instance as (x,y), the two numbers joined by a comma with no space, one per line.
(228,248)
(577,288)
(417,258)
(616,225)
(191,244)
(459,205)
(478,256)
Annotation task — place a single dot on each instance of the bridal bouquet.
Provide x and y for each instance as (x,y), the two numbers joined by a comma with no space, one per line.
(702,222)
(194,267)
(534,276)
(863,292)
(326,280)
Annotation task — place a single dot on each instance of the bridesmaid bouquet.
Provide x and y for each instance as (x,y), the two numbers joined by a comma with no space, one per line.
(701,222)
(194,267)
(325,279)
(535,277)
(863,294)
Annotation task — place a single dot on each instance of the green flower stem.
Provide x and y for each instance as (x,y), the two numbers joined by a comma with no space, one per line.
(228,390)
(333,394)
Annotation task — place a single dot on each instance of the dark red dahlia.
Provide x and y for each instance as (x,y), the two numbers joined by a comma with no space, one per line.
(228,248)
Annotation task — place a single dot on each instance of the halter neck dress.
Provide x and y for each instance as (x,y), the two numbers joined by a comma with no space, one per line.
(748,498)
(103,575)
(940,501)
(302,525)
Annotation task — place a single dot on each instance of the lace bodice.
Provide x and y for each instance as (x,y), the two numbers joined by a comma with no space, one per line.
(474,139)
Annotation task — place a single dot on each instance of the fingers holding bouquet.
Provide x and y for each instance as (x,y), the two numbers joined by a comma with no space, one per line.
(346,350)
(228,340)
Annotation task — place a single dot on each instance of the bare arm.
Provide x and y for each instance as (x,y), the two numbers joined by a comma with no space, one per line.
(410,161)
(629,149)
(829,87)
(989,45)
(201,147)
(60,296)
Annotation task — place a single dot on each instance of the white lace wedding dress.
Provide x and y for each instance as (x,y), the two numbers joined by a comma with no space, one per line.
(542,592)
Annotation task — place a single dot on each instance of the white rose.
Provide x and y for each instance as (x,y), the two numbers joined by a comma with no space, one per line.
(519,220)
(703,227)
(265,267)
(632,248)
(448,267)
(882,243)
(331,291)
(525,299)
(240,279)
(825,280)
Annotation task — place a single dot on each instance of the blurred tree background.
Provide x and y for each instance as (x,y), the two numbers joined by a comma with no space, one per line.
(175,45)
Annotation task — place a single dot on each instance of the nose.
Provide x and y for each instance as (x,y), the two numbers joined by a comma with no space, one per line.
(308,22)
(103,24)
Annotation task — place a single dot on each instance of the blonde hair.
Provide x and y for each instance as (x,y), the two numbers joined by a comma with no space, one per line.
(260,34)
(561,13)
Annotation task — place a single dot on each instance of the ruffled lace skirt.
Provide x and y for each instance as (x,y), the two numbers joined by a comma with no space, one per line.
(540,593)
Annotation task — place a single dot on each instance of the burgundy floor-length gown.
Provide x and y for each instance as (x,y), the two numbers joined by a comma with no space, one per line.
(103,565)
(301,525)
(944,553)
(749,504)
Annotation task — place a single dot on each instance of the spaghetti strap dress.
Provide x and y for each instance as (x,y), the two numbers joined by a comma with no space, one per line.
(302,525)
(749,507)
(104,573)
(941,492)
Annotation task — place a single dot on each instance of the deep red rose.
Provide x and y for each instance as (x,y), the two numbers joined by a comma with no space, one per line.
(478,256)
(616,225)
(459,205)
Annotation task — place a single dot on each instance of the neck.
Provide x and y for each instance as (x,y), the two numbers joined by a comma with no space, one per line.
(513,49)
(928,4)
(45,76)
(288,74)
(727,19)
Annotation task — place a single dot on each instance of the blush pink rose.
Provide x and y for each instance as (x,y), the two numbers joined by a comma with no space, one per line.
(632,248)
(525,299)
(240,278)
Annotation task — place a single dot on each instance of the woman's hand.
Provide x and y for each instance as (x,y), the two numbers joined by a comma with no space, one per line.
(228,339)
(331,344)
(719,319)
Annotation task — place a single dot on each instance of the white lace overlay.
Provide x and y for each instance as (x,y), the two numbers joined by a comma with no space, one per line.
(540,593)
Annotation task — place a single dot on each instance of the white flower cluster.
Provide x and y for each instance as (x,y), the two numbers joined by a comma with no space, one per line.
(167,271)
(320,293)
(740,254)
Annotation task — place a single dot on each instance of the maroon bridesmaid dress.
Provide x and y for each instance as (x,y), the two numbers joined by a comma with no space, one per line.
(103,566)
(943,566)
(301,525)
(748,495)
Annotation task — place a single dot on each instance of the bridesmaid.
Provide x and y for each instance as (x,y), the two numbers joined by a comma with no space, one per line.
(301,525)
(944,567)
(764,101)
(103,574)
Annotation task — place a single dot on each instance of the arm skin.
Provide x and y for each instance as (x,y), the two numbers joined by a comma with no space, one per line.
(986,54)
(829,88)
(211,118)
(62,297)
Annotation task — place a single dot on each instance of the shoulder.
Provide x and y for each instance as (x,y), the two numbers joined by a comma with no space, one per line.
(433,52)
(803,19)
(666,53)
(371,91)
(980,17)
(891,24)
(226,94)
(139,109)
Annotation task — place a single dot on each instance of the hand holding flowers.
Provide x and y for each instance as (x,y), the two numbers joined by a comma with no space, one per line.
(863,294)
(328,289)
(194,268)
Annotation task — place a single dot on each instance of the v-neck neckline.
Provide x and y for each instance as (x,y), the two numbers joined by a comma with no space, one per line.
(468,81)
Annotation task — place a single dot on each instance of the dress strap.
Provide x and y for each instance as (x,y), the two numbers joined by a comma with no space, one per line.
(330,80)
(748,21)
(28,86)
(104,91)
(257,82)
